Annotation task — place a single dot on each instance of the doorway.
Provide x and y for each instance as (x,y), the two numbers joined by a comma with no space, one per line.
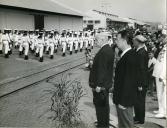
(89,27)
(39,22)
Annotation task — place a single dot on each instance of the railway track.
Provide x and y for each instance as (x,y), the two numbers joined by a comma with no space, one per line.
(31,79)
(36,72)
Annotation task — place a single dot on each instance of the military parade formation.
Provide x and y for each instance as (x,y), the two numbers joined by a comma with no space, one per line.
(41,42)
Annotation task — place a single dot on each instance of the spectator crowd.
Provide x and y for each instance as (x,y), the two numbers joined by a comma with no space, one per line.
(130,65)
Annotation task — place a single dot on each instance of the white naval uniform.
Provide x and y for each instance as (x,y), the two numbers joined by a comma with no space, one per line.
(47,44)
(20,43)
(64,44)
(15,40)
(91,40)
(41,46)
(86,42)
(5,40)
(70,44)
(59,40)
(11,38)
(159,72)
(35,41)
(51,45)
(81,42)
(25,45)
(36,45)
(76,44)
(10,42)
(32,42)
(56,41)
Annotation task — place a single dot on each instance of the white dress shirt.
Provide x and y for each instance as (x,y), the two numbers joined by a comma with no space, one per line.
(125,51)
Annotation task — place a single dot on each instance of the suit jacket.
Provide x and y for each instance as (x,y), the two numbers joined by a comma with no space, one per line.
(142,67)
(125,88)
(102,69)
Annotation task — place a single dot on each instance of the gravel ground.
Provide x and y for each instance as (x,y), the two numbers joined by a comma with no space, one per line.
(29,107)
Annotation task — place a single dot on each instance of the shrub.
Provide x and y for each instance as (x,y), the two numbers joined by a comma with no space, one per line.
(65,97)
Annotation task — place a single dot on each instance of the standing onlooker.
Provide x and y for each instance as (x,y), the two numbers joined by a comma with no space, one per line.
(142,80)
(125,82)
(100,80)
(160,75)
(89,58)
(151,79)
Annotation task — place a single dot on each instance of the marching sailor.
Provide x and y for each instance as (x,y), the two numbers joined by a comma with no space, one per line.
(10,41)
(5,40)
(86,40)
(25,44)
(70,42)
(81,41)
(51,45)
(76,42)
(41,46)
(47,42)
(15,39)
(64,43)
(20,35)
(36,43)
(32,41)
(92,39)
(56,41)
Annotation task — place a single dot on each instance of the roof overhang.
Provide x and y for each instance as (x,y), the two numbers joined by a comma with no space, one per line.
(44,6)
(117,19)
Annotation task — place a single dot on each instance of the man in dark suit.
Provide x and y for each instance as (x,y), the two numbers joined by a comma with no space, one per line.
(142,81)
(100,80)
(125,81)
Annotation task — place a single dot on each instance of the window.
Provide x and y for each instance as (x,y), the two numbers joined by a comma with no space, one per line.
(97,21)
(84,21)
(90,21)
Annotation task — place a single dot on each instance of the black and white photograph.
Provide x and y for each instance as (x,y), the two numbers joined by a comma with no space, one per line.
(83,63)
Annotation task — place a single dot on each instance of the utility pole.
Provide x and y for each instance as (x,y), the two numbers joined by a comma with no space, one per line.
(105,6)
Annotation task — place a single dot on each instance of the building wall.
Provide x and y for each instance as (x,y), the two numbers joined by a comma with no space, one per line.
(63,22)
(66,22)
(102,23)
(77,23)
(12,19)
(51,22)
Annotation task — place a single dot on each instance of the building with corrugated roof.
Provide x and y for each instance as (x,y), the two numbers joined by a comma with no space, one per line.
(39,14)
(96,19)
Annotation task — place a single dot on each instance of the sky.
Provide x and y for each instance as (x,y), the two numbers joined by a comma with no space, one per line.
(145,10)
